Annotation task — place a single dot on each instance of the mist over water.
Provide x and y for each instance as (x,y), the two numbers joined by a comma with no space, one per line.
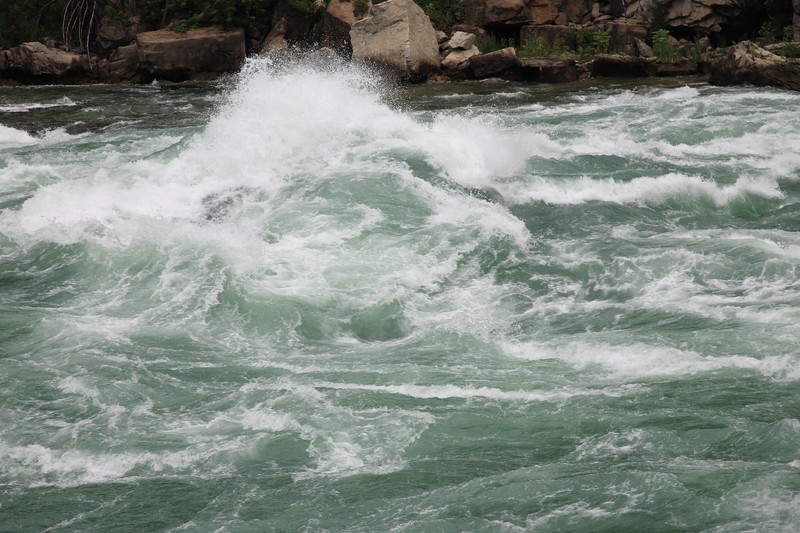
(306,301)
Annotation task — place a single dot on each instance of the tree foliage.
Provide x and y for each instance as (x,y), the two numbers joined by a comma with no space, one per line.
(29,20)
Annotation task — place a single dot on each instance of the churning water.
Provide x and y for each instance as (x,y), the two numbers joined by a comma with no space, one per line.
(304,302)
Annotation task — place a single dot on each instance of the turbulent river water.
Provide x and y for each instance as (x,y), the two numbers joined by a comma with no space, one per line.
(302,301)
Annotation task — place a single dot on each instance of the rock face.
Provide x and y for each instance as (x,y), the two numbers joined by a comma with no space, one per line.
(489,12)
(118,23)
(36,63)
(195,55)
(334,28)
(123,65)
(796,26)
(701,17)
(399,35)
(624,36)
(747,62)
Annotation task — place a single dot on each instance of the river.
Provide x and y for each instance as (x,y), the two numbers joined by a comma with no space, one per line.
(304,301)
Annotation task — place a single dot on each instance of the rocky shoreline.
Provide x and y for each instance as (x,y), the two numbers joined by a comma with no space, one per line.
(527,40)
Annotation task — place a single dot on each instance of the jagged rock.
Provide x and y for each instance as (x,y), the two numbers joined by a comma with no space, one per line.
(746,62)
(334,28)
(36,63)
(484,13)
(575,10)
(494,63)
(461,41)
(398,35)
(458,60)
(117,25)
(442,38)
(643,48)
(276,38)
(547,70)
(123,65)
(703,16)
(563,36)
(198,54)
(617,66)
(624,36)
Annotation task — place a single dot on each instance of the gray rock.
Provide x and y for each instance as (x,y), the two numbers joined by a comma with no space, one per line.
(399,35)
(462,41)
(459,59)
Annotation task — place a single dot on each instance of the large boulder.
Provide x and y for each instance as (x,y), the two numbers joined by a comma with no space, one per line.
(36,63)
(199,54)
(397,34)
(494,63)
(746,62)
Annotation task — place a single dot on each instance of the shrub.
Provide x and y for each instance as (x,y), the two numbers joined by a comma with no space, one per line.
(490,44)
(539,46)
(592,43)
(444,14)
(663,49)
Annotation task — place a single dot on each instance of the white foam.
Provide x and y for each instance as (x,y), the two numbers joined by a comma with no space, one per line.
(641,191)
(26,107)
(14,138)
(640,360)
(467,393)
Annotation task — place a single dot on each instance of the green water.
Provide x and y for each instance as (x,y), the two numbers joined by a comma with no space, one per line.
(300,301)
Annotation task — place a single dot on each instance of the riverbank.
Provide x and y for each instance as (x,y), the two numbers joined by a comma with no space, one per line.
(570,43)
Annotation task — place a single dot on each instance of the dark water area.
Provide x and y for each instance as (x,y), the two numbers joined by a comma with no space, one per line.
(300,301)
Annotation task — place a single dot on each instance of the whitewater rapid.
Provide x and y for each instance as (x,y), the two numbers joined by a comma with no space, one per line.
(309,300)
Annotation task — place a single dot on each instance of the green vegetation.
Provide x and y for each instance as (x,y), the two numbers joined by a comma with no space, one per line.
(255,16)
(539,46)
(29,20)
(663,49)
(490,44)
(591,43)
(444,14)
(360,7)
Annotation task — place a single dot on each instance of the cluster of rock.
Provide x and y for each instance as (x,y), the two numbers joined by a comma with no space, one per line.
(200,54)
(690,16)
